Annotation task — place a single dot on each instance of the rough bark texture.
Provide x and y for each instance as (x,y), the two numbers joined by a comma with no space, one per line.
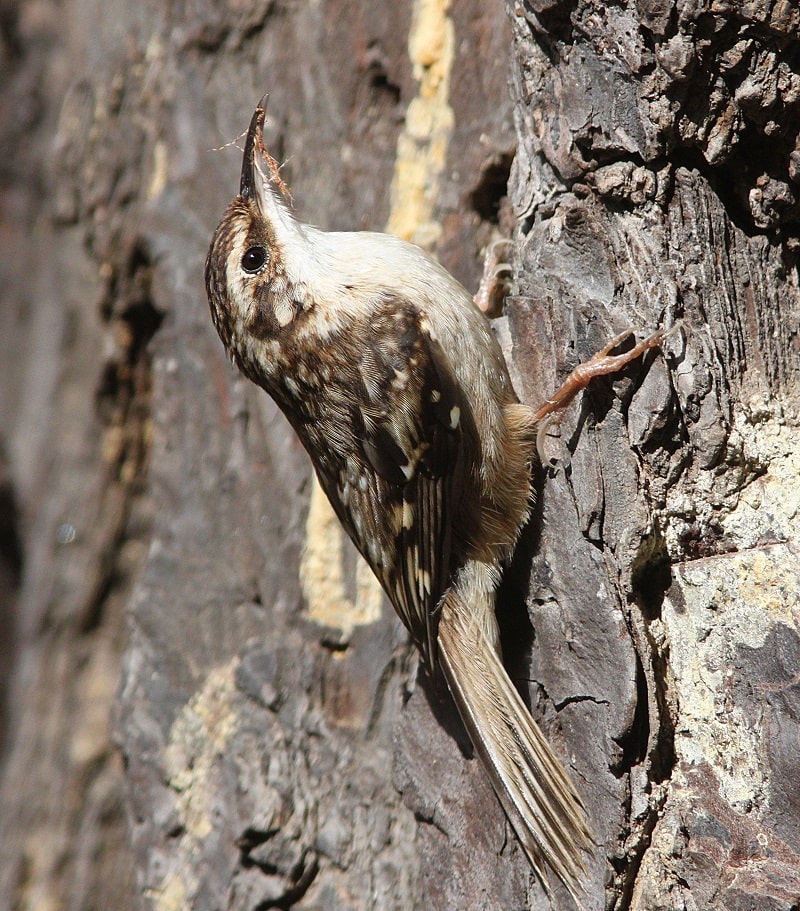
(276,749)
(656,180)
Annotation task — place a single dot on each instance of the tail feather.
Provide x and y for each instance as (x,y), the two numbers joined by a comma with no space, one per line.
(535,791)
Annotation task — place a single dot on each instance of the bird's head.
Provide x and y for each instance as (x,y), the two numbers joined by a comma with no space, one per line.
(252,277)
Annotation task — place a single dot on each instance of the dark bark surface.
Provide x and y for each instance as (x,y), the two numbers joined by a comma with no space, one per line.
(655,181)
(272,746)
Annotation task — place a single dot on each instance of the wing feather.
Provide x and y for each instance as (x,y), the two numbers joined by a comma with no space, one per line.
(419,448)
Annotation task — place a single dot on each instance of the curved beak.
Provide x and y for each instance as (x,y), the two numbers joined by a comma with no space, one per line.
(254,141)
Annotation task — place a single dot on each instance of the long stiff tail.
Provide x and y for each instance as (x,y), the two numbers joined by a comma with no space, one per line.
(535,791)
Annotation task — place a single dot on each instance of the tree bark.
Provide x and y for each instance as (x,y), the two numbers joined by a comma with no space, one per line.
(277,749)
(655,181)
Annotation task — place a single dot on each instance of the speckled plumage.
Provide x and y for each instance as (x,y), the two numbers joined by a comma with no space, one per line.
(394,382)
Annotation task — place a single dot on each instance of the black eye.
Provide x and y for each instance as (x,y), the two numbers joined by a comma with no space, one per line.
(254,259)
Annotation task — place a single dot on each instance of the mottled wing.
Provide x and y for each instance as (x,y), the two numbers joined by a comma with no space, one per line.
(420,450)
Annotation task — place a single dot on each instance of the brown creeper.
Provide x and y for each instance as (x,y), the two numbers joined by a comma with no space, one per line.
(394,382)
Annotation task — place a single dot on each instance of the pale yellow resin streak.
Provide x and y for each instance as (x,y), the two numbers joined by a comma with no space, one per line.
(322,572)
(419,163)
(423,143)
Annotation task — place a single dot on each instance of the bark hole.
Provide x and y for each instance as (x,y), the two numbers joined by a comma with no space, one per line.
(492,187)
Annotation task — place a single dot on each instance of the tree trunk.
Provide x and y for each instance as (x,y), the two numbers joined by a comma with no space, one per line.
(277,748)
(655,182)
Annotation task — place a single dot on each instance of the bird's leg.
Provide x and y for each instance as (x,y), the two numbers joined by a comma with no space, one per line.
(600,364)
(494,281)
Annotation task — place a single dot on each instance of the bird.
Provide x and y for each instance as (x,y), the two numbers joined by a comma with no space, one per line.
(395,383)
